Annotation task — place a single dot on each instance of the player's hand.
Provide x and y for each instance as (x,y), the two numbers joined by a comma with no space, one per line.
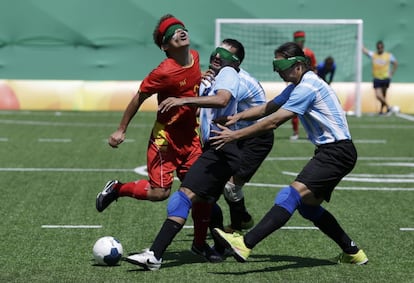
(116,139)
(226,120)
(207,76)
(168,103)
(222,137)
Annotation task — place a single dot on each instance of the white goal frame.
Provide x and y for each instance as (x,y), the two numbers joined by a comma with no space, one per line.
(359,44)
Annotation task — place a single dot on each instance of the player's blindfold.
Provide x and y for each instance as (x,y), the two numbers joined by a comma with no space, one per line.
(284,64)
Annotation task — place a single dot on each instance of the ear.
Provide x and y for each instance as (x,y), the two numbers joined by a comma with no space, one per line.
(164,47)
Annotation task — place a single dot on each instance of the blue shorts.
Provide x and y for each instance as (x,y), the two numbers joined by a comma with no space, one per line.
(385,83)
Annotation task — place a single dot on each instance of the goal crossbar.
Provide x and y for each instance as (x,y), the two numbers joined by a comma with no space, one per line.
(322,22)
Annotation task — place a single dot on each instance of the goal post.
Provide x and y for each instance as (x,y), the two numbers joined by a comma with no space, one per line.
(339,38)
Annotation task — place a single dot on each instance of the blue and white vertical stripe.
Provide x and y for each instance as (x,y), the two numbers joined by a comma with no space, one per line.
(250,94)
(319,110)
(227,79)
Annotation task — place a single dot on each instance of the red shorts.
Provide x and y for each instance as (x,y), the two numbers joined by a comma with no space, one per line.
(163,160)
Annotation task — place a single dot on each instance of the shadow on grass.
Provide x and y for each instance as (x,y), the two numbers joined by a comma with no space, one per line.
(290,262)
(180,258)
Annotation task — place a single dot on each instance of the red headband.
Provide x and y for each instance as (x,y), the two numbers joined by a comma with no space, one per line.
(299,34)
(164,26)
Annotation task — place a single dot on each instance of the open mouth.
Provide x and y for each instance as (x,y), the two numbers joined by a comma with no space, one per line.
(181,35)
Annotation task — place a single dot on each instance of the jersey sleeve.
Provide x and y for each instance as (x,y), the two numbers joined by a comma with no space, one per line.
(154,82)
(227,79)
(299,100)
(284,95)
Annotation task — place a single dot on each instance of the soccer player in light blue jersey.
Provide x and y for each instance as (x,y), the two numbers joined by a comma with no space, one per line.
(324,120)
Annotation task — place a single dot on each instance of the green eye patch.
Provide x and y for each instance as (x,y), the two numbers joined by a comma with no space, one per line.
(224,55)
(170,32)
(284,64)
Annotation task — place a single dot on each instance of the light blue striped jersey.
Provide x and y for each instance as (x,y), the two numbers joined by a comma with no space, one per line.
(319,110)
(227,79)
(250,94)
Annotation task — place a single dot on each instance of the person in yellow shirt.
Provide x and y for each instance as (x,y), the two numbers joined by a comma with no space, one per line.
(382,73)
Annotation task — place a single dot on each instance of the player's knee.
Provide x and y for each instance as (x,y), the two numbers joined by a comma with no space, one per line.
(179,205)
(289,199)
(312,213)
(232,192)
(158,194)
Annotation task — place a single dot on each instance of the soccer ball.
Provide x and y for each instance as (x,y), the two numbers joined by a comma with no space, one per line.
(395,109)
(107,251)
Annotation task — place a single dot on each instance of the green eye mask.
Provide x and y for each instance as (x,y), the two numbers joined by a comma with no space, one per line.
(170,32)
(225,55)
(284,64)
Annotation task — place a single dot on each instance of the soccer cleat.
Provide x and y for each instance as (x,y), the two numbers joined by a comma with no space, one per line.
(146,259)
(207,252)
(107,196)
(234,242)
(359,258)
(294,137)
(244,226)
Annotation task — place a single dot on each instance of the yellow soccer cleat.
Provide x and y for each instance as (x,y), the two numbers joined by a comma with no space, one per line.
(234,242)
(359,258)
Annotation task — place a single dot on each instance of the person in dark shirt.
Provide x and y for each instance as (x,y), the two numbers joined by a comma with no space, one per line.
(327,67)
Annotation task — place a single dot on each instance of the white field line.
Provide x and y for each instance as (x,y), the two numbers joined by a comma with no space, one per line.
(406,229)
(72,226)
(4,139)
(405,116)
(375,178)
(393,164)
(370,141)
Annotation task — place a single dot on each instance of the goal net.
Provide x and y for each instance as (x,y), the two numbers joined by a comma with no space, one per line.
(341,39)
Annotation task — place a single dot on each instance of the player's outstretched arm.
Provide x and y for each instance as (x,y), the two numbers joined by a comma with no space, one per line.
(118,136)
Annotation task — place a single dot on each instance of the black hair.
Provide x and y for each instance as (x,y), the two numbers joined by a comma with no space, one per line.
(289,49)
(236,44)
(292,49)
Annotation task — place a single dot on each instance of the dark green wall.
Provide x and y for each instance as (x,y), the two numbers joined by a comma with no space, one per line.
(112,39)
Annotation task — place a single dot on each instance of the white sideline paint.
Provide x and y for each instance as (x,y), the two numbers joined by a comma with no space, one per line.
(375,178)
(406,229)
(4,139)
(72,226)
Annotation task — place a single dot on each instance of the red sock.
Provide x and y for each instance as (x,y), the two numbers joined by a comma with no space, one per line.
(295,125)
(201,213)
(137,189)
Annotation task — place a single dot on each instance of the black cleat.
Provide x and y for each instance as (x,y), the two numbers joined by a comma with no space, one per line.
(107,196)
(207,252)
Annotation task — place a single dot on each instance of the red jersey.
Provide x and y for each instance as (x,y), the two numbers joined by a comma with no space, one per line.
(309,53)
(170,79)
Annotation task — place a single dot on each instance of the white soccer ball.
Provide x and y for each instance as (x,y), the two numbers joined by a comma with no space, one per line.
(107,251)
(395,109)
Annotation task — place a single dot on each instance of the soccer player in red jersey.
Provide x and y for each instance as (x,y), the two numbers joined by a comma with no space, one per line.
(174,143)
(299,38)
